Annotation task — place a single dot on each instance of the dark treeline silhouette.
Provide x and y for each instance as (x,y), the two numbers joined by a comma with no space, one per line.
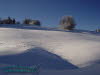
(10,20)
(66,22)
(32,22)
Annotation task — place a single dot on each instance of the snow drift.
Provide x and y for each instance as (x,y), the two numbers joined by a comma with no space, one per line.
(79,48)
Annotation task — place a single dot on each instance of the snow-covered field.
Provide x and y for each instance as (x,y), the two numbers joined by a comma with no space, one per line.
(64,52)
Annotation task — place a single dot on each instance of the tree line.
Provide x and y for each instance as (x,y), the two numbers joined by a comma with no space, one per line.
(66,22)
(10,20)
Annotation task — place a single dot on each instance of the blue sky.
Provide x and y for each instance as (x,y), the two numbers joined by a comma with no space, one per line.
(49,12)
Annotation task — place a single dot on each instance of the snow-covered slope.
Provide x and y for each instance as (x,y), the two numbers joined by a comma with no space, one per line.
(93,70)
(81,49)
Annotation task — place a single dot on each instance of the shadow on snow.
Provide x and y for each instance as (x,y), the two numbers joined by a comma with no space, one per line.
(37,56)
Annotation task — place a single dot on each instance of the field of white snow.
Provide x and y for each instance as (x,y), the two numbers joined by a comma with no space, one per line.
(57,52)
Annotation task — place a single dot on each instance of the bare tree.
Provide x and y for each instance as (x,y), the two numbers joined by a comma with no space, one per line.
(67,23)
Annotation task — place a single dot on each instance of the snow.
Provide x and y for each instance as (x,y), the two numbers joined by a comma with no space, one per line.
(52,48)
(93,70)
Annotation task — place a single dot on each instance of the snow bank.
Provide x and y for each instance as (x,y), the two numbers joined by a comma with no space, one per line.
(79,48)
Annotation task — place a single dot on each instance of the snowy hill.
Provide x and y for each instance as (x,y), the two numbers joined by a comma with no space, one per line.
(53,49)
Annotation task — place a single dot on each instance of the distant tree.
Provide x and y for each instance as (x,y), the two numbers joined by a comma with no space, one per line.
(35,22)
(1,21)
(26,21)
(32,22)
(14,21)
(9,20)
(67,23)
